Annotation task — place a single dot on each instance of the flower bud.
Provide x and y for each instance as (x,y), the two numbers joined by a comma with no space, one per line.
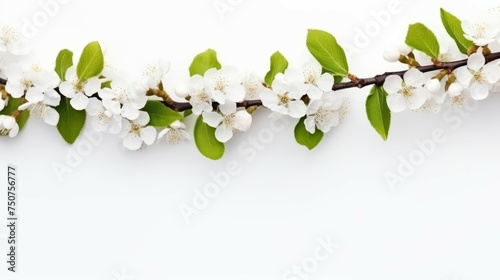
(404,49)
(182,90)
(391,55)
(433,85)
(455,89)
(9,122)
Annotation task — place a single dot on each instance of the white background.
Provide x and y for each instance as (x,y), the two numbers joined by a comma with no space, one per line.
(117,214)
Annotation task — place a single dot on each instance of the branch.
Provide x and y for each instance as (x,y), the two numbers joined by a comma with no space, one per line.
(357,83)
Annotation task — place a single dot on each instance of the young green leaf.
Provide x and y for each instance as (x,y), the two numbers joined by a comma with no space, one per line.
(454,28)
(203,62)
(207,144)
(423,39)
(71,121)
(63,62)
(160,115)
(324,47)
(188,113)
(278,65)
(12,107)
(305,138)
(378,112)
(91,62)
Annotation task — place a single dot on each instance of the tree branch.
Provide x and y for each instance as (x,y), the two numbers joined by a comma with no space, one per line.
(357,83)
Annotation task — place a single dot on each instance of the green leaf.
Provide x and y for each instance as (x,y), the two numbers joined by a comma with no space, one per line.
(324,47)
(423,39)
(203,62)
(378,112)
(12,107)
(106,84)
(207,144)
(305,138)
(160,115)
(71,121)
(454,28)
(337,79)
(63,62)
(278,65)
(91,62)
(188,113)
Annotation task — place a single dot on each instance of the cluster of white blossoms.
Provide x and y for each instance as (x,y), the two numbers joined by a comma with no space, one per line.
(473,82)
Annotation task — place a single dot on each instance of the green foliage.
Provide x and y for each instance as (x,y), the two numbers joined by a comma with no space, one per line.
(71,121)
(160,115)
(423,39)
(305,138)
(278,65)
(12,107)
(454,28)
(63,62)
(324,47)
(203,62)
(207,144)
(378,112)
(91,62)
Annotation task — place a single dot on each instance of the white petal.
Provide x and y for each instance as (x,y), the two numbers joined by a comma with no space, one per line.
(14,131)
(212,119)
(52,98)
(34,95)
(294,75)
(414,77)
(94,107)
(310,124)
(464,76)
(2,104)
(228,108)
(132,142)
(148,135)
(417,99)
(143,118)
(479,91)
(93,85)
(476,62)
(325,82)
(9,122)
(15,89)
(492,72)
(162,133)
(223,134)
(106,93)
(67,89)
(396,103)
(314,92)
(219,96)
(235,93)
(71,74)
(314,107)
(297,90)
(281,86)
(243,120)
(297,109)
(393,84)
(51,116)
(269,98)
(79,102)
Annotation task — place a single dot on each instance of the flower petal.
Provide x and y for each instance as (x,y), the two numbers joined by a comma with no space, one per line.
(93,85)
(80,101)
(396,103)
(297,109)
(34,95)
(223,134)
(228,108)
(212,119)
(52,98)
(476,62)
(143,118)
(51,116)
(235,93)
(479,91)
(417,99)
(414,77)
(310,124)
(393,84)
(148,135)
(243,120)
(67,89)
(132,142)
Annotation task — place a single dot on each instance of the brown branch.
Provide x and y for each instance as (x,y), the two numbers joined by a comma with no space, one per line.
(377,80)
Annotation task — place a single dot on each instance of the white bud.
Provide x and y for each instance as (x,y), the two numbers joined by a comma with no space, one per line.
(391,55)
(9,122)
(455,89)
(404,49)
(182,90)
(433,85)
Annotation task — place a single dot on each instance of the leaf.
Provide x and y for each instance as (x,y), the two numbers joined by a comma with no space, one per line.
(63,62)
(12,107)
(106,84)
(305,138)
(160,115)
(423,39)
(91,62)
(203,62)
(71,121)
(278,65)
(378,112)
(188,113)
(324,47)
(207,144)
(454,28)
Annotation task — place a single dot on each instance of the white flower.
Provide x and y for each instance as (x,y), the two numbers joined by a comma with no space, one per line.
(226,84)
(253,87)
(22,79)
(79,91)
(2,103)
(315,82)
(135,133)
(325,113)
(40,105)
(458,101)
(434,102)
(8,126)
(200,94)
(433,85)
(120,99)
(175,134)
(103,118)
(407,93)
(481,32)
(228,121)
(284,98)
(404,49)
(391,55)
(12,42)
(455,89)
(478,77)
(155,73)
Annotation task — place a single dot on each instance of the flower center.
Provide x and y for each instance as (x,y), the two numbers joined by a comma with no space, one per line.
(480,29)
(283,99)
(323,116)
(174,137)
(221,83)
(121,95)
(78,86)
(407,91)
(9,35)
(27,83)
(201,97)
(135,129)
(310,77)
(478,77)
(38,110)
(229,120)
